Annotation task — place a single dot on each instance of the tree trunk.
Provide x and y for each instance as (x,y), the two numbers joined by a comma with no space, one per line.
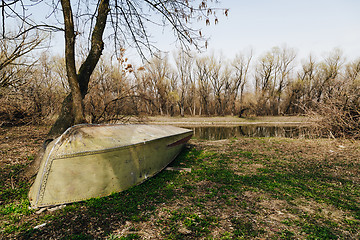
(72,111)
(77,106)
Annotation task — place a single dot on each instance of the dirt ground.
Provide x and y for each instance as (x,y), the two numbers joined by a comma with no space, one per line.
(18,145)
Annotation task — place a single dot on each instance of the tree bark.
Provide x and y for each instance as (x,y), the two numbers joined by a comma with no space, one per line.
(77,106)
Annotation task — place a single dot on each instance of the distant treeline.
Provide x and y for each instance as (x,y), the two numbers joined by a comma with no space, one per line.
(188,84)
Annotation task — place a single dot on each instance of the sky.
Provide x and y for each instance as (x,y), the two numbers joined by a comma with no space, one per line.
(309,26)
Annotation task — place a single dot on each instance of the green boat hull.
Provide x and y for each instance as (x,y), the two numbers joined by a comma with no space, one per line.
(90,161)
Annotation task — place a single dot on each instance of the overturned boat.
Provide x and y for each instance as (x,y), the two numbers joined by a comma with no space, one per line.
(89,161)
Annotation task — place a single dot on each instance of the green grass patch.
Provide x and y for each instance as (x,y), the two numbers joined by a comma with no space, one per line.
(184,223)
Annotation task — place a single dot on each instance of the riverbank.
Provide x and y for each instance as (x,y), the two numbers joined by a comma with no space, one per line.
(228,121)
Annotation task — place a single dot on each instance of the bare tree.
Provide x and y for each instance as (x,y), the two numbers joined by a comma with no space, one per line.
(241,65)
(285,67)
(35,93)
(217,82)
(128,20)
(339,105)
(44,86)
(159,78)
(307,76)
(109,90)
(142,88)
(202,74)
(13,59)
(272,76)
(228,101)
(328,76)
(184,67)
(265,75)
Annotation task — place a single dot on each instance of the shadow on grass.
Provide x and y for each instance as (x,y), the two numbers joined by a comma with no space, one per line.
(306,181)
(11,186)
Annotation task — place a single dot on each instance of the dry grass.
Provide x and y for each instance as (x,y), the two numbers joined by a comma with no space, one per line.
(18,144)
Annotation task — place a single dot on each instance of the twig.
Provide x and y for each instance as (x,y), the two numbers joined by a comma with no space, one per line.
(178,169)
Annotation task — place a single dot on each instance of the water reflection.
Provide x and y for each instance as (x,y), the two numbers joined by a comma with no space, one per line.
(217,133)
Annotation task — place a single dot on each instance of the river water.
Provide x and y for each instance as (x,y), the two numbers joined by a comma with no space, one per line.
(218,133)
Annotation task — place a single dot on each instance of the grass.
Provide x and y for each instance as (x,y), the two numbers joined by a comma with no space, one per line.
(248,188)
